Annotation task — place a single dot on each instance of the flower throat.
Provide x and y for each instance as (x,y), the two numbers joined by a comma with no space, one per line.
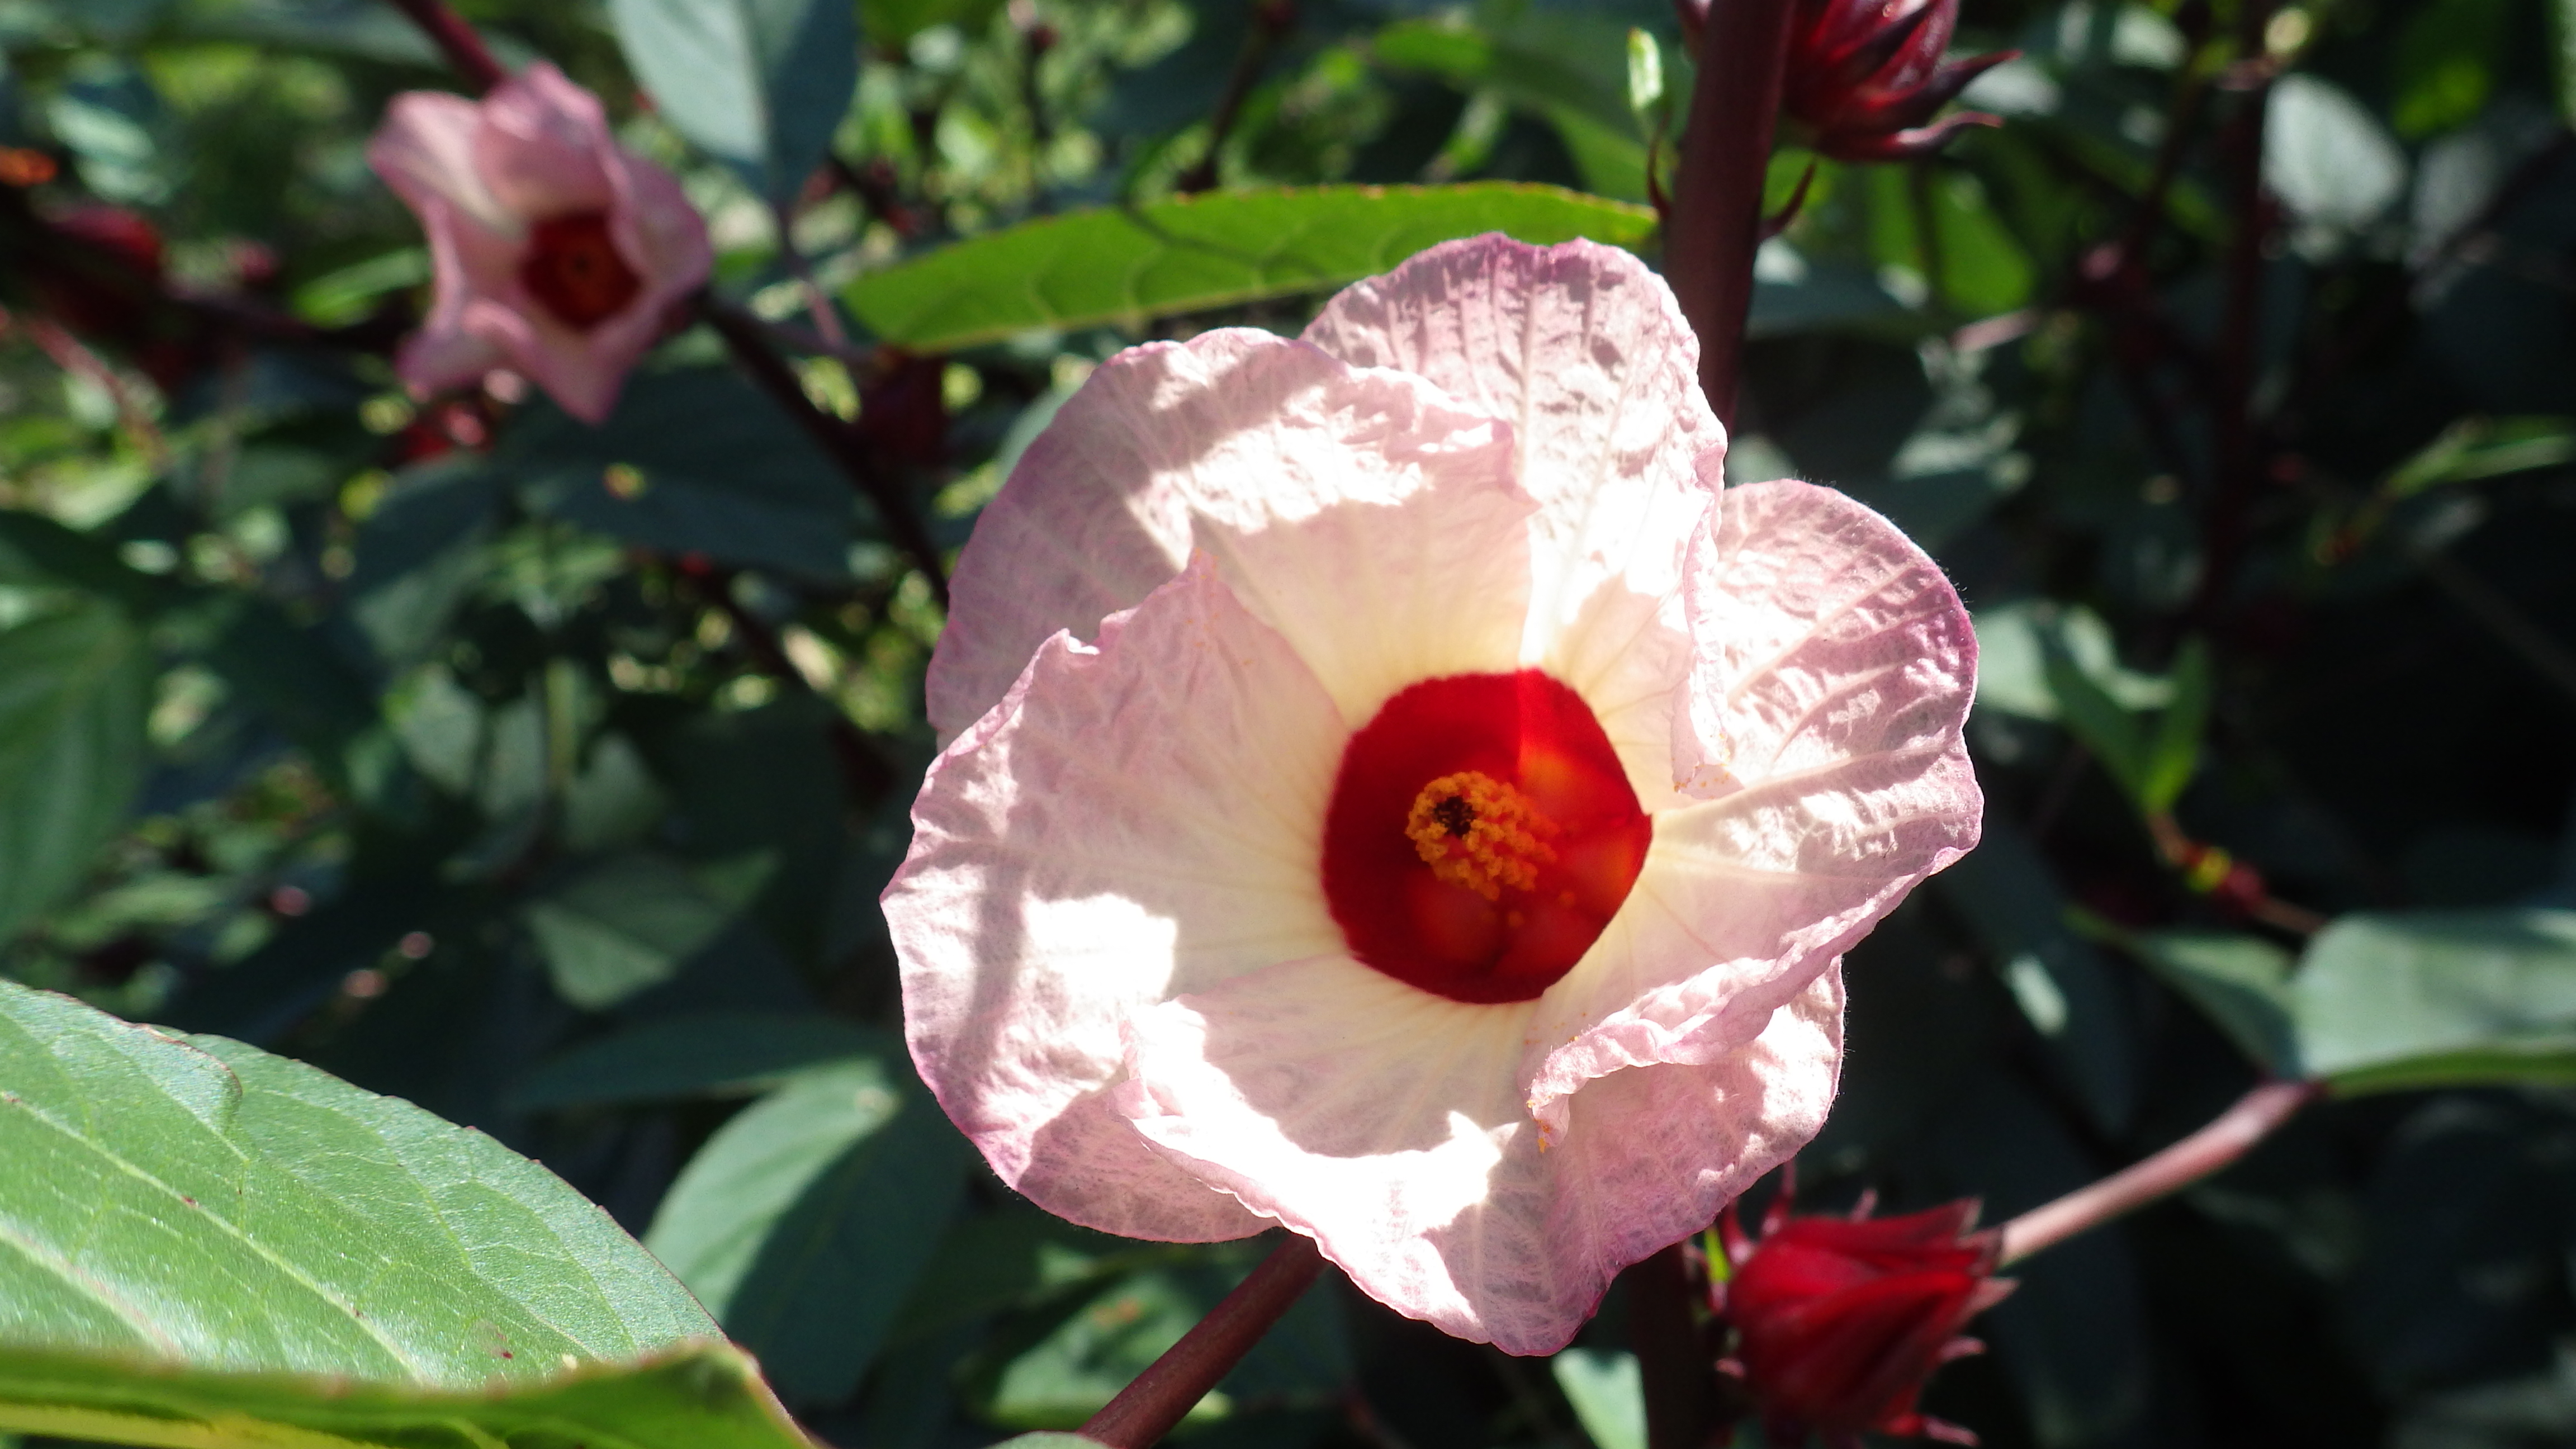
(1481,834)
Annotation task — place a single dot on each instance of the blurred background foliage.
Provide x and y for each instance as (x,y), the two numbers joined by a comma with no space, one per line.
(547,776)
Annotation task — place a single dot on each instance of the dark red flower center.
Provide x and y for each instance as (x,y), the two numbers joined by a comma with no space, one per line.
(573,269)
(1481,834)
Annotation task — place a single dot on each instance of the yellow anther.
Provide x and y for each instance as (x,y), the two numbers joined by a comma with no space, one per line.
(1479,832)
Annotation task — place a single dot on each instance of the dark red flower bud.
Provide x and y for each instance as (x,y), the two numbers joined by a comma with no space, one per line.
(903,409)
(1865,76)
(1838,1321)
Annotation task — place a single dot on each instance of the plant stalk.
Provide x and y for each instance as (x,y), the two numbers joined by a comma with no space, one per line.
(1678,1371)
(1716,223)
(2227,1137)
(1172,1385)
(457,41)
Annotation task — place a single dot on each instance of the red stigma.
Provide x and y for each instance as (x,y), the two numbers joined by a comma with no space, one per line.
(574,270)
(1480,915)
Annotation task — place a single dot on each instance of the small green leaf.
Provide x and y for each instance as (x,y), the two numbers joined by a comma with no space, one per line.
(2409,999)
(718,1054)
(1127,265)
(2475,448)
(2173,753)
(1645,73)
(760,85)
(75,690)
(208,1246)
(1607,1391)
(803,1223)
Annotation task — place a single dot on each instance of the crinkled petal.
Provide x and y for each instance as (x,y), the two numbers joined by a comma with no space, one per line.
(425,152)
(1832,669)
(1383,1122)
(1137,818)
(1419,567)
(1584,352)
(543,145)
(469,265)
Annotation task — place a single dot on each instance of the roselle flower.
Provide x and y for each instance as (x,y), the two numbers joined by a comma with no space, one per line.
(1838,1321)
(1864,76)
(1391,793)
(555,252)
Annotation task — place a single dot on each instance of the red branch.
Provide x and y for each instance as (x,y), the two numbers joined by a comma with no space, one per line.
(1146,1410)
(457,41)
(2228,1137)
(1716,221)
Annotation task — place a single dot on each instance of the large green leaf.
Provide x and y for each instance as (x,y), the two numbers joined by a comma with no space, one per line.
(2435,998)
(1126,265)
(804,1222)
(701,1395)
(202,1244)
(758,84)
(74,691)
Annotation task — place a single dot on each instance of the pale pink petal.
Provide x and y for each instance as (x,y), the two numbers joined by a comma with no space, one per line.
(543,145)
(1385,1123)
(658,232)
(1833,665)
(1135,819)
(1583,351)
(425,152)
(1221,443)
(468,263)
(583,371)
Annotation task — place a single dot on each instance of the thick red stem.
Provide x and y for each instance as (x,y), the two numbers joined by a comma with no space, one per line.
(2228,1137)
(1680,1388)
(1147,1409)
(1716,223)
(457,41)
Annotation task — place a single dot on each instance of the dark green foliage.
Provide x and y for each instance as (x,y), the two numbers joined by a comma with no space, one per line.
(547,777)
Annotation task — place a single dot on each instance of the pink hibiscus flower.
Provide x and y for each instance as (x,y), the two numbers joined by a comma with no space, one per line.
(1392,793)
(555,251)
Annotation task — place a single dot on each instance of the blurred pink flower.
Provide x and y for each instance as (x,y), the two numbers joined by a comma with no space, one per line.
(1445,843)
(556,252)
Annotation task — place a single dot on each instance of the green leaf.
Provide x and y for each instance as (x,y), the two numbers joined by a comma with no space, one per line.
(1575,69)
(2172,754)
(700,1395)
(2063,986)
(760,85)
(2446,60)
(717,1054)
(627,923)
(2241,983)
(1126,265)
(1607,1391)
(2475,448)
(1009,1258)
(803,1223)
(75,690)
(893,23)
(206,1245)
(2410,999)
(693,460)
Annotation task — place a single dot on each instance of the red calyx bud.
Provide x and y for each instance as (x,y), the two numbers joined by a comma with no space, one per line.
(1838,1321)
(903,409)
(1864,76)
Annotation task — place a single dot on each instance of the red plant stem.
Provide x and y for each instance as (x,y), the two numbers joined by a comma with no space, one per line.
(1672,1361)
(457,41)
(744,336)
(2239,446)
(1147,1409)
(1271,20)
(1716,221)
(2227,1137)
